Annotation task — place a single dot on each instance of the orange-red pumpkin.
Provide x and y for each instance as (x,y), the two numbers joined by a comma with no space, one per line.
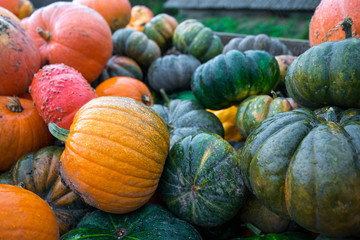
(324,24)
(117,13)
(140,15)
(7,13)
(22,130)
(72,34)
(20,8)
(125,87)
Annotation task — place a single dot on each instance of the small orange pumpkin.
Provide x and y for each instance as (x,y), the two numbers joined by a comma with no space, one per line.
(125,87)
(25,216)
(140,15)
(20,8)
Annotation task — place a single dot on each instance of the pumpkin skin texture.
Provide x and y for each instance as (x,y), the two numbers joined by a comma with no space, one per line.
(24,215)
(201,181)
(254,109)
(192,37)
(229,78)
(58,91)
(62,36)
(326,74)
(284,62)
(22,130)
(329,13)
(149,222)
(117,13)
(136,45)
(184,117)
(112,176)
(140,15)
(20,8)
(20,58)
(125,87)
(7,13)
(38,172)
(172,72)
(306,167)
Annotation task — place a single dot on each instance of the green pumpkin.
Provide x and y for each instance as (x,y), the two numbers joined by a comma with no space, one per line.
(278,236)
(150,222)
(201,181)
(192,37)
(136,45)
(229,78)
(38,172)
(305,166)
(326,74)
(322,237)
(185,117)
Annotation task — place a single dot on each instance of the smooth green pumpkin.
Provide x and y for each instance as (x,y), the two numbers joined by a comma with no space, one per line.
(150,222)
(201,181)
(229,78)
(305,166)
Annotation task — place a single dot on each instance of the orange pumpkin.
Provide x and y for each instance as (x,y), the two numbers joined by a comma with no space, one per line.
(125,87)
(24,215)
(7,13)
(72,34)
(117,13)
(20,8)
(22,130)
(114,153)
(324,24)
(140,15)
(19,57)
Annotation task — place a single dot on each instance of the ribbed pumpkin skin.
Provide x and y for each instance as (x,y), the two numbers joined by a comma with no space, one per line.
(326,74)
(192,37)
(254,109)
(38,172)
(24,215)
(306,168)
(229,78)
(115,153)
(201,182)
(151,222)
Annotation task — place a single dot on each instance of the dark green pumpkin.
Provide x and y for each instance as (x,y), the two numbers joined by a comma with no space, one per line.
(306,167)
(326,74)
(192,37)
(201,180)
(38,172)
(185,117)
(136,45)
(150,222)
(229,78)
(172,72)
(278,236)
(322,237)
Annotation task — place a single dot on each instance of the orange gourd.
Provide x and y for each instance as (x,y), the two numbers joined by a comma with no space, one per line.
(22,130)
(20,8)
(125,87)
(25,216)
(114,153)
(140,15)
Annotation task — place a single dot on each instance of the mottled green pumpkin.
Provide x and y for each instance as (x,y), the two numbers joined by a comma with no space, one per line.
(201,181)
(229,78)
(192,37)
(305,166)
(150,222)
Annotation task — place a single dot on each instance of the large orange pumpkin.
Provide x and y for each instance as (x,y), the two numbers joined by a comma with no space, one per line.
(19,57)
(125,87)
(324,24)
(115,153)
(21,8)
(117,13)
(72,34)
(24,215)
(22,130)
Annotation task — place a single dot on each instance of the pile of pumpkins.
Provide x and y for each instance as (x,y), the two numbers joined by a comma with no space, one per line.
(118,124)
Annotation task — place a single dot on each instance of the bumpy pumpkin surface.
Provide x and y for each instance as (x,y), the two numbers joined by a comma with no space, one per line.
(304,165)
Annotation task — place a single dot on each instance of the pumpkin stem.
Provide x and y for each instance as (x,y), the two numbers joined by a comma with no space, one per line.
(346,27)
(146,99)
(120,233)
(274,94)
(252,228)
(14,105)
(44,34)
(331,115)
(165,97)
(58,132)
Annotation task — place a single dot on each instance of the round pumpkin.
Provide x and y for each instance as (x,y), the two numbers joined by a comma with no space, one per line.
(324,24)
(140,15)
(304,166)
(20,58)
(22,130)
(72,34)
(38,172)
(20,8)
(24,215)
(125,87)
(115,153)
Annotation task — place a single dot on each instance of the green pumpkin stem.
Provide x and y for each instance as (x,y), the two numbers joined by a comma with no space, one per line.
(331,115)
(346,27)
(253,229)
(274,94)
(58,132)
(165,97)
